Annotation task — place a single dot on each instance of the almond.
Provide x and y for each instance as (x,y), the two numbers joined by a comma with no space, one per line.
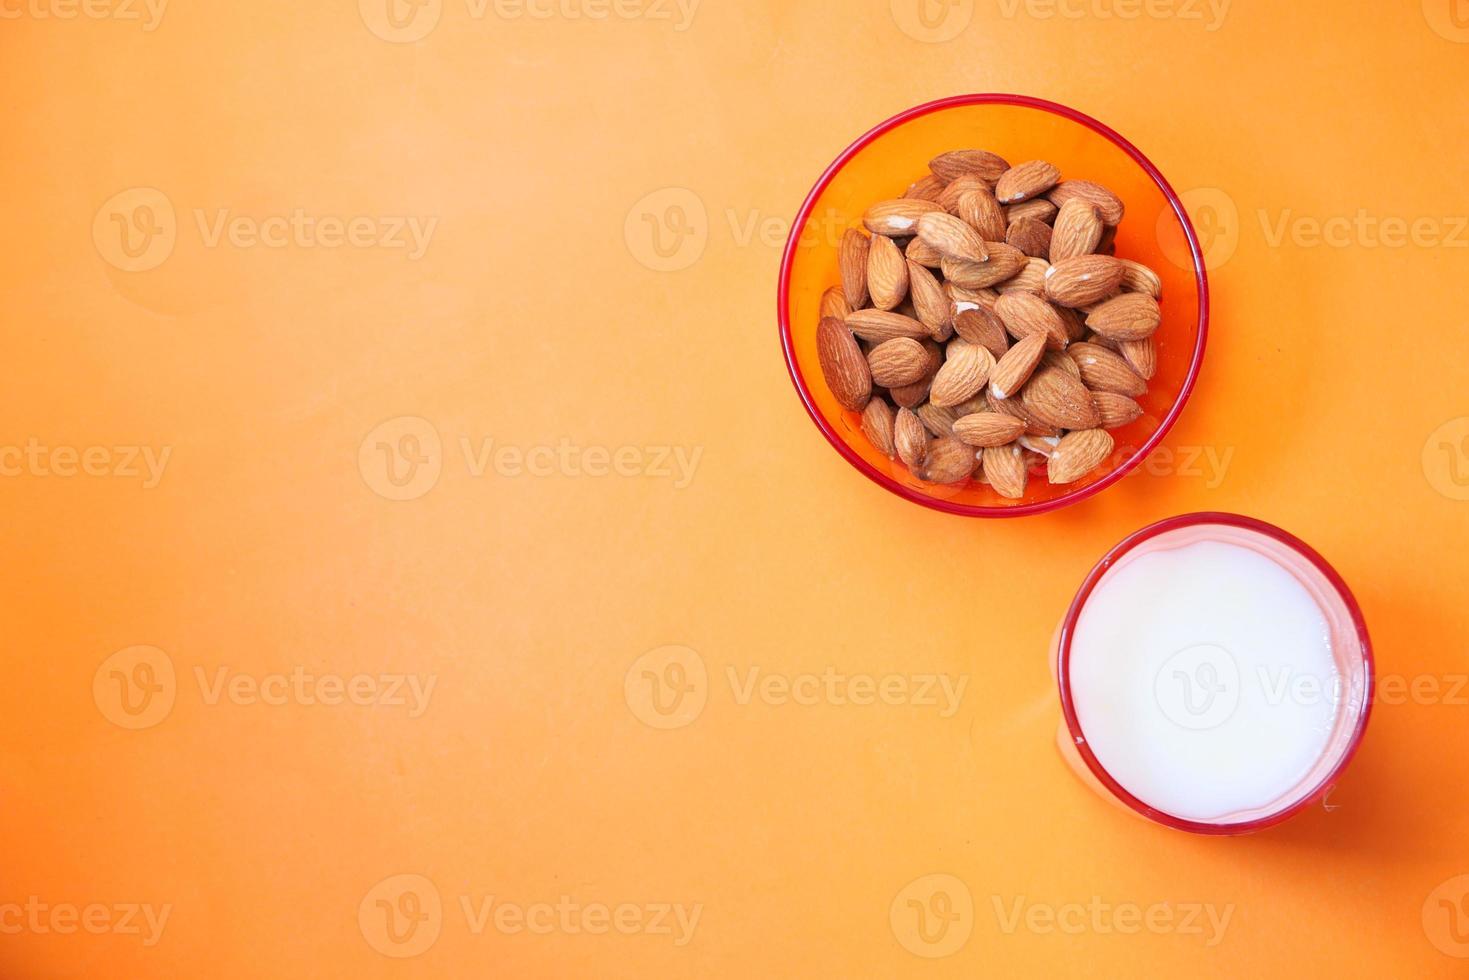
(876,326)
(988,429)
(1138,278)
(1077,454)
(1004,261)
(916,393)
(948,461)
(1141,356)
(1012,406)
(923,253)
(909,438)
(899,361)
(899,218)
(1083,280)
(1030,236)
(952,237)
(1039,446)
(1030,279)
(949,199)
(1005,470)
(853,263)
(962,375)
(877,425)
(1038,208)
(1107,203)
(1025,181)
(1061,360)
(1115,410)
(935,310)
(1075,325)
(842,364)
(1026,313)
(980,326)
(1015,368)
(1078,229)
(938,421)
(925,188)
(887,273)
(983,213)
(984,164)
(968,299)
(1056,398)
(834,303)
(1130,316)
(1104,370)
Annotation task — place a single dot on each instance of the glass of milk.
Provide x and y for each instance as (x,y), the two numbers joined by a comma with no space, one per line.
(1215,674)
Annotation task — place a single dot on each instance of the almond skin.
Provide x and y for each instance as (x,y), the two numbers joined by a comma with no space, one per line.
(877,425)
(1004,262)
(1026,313)
(1005,470)
(898,218)
(1078,230)
(930,302)
(980,326)
(938,421)
(1138,278)
(1130,316)
(1105,370)
(842,364)
(1057,399)
(897,362)
(914,394)
(984,164)
(1141,356)
(925,188)
(834,304)
(983,213)
(958,187)
(909,438)
(923,253)
(967,299)
(952,237)
(1115,410)
(1077,454)
(962,375)
(876,326)
(948,461)
(1025,181)
(1061,361)
(1038,208)
(1016,367)
(1030,236)
(852,260)
(1012,406)
(1083,280)
(984,429)
(1109,205)
(1030,279)
(887,273)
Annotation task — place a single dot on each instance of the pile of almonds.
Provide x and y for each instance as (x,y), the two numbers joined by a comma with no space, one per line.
(985,327)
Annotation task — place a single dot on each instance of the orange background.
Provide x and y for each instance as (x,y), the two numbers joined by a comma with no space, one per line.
(538,313)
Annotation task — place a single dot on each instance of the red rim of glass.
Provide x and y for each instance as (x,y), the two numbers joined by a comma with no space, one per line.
(884,480)
(1063,675)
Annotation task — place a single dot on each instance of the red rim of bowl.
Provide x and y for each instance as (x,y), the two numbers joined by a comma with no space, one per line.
(1063,675)
(882,479)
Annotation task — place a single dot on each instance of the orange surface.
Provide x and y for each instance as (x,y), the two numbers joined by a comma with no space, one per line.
(1320,150)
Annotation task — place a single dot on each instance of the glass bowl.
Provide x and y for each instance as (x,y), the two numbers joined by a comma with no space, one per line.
(880,165)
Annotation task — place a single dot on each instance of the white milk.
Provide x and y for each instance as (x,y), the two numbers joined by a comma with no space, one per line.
(1204,680)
